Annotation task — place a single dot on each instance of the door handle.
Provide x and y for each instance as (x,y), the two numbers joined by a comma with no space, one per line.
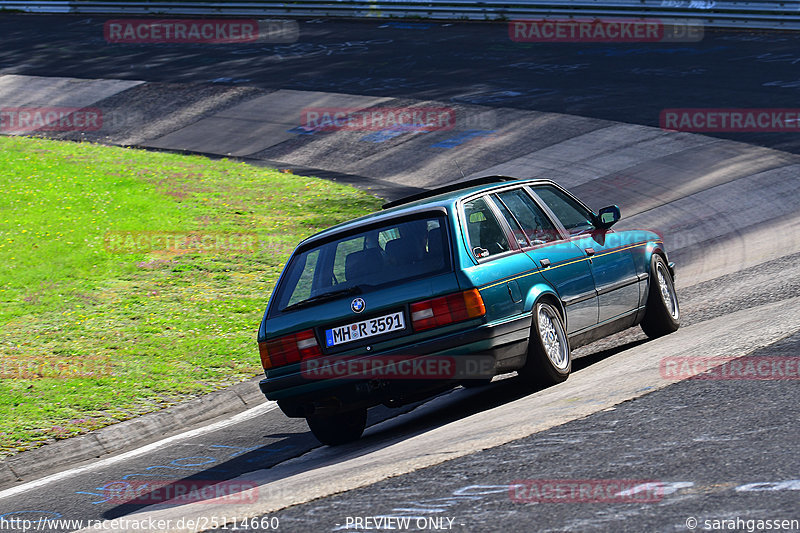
(590,251)
(545,263)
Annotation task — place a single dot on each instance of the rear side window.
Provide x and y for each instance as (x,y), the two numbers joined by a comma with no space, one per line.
(572,215)
(306,280)
(345,249)
(537,228)
(486,237)
(398,251)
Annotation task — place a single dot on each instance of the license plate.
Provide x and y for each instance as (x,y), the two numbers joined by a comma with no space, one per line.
(364,329)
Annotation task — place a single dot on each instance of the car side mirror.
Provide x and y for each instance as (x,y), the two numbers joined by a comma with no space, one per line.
(609,216)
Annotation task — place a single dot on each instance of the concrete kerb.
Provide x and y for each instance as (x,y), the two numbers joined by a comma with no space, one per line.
(7,475)
(386,190)
(130,434)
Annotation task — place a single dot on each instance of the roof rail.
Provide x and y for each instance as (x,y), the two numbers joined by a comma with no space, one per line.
(485,180)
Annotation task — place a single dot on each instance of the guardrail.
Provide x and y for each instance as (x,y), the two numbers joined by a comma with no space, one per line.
(756,14)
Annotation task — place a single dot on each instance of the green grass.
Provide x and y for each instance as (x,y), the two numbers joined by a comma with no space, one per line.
(137,331)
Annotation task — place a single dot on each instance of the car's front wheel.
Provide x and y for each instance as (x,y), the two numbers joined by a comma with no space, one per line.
(662,314)
(549,359)
(339,428)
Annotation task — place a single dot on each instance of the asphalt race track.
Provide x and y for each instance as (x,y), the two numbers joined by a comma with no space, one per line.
(452,62)
(681,454)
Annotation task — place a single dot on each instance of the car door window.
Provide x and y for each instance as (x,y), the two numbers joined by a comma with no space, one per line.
(537,228)
(486,236)
(516,229)
(574,217)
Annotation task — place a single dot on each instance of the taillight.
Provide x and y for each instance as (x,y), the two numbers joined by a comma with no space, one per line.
(447,309)
(289,349)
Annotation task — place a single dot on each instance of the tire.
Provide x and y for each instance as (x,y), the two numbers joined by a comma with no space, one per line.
(662,313)
(549,358)
(340,428)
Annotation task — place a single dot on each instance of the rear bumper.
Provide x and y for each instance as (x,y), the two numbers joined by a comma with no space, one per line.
(505,342)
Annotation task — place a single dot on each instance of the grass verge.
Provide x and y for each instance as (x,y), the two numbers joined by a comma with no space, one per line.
(103,317)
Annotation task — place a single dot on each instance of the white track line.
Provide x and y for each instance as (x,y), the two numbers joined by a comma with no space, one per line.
(241,417)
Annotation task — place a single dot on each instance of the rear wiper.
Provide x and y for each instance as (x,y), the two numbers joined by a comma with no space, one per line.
(323,297)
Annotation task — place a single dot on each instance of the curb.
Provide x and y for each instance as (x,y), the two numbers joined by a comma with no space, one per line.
(130,434)
(140,430)
(383,189)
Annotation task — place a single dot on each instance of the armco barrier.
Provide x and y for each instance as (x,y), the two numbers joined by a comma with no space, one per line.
(756,14)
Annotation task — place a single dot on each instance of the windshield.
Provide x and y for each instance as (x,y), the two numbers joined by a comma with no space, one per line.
(399,250)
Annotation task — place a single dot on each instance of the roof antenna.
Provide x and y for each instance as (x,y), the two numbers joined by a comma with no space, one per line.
(459,168)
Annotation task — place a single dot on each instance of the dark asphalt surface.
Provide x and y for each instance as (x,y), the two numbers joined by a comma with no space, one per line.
(224,454)
(718,450)
(217,456)
(716,435)
(475,63)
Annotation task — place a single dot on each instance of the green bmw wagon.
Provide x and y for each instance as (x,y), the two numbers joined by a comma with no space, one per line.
(452,287)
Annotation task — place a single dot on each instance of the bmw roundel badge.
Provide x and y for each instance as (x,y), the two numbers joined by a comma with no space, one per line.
(358,305)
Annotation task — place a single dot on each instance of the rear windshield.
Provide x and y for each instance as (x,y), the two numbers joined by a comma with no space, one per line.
(385,255)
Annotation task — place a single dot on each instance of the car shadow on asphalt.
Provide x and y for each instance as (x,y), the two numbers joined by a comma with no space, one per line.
(588,360)
(385,427)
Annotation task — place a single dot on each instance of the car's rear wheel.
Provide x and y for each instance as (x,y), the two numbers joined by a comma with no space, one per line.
(339,428)
(549,359)
(662,313)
